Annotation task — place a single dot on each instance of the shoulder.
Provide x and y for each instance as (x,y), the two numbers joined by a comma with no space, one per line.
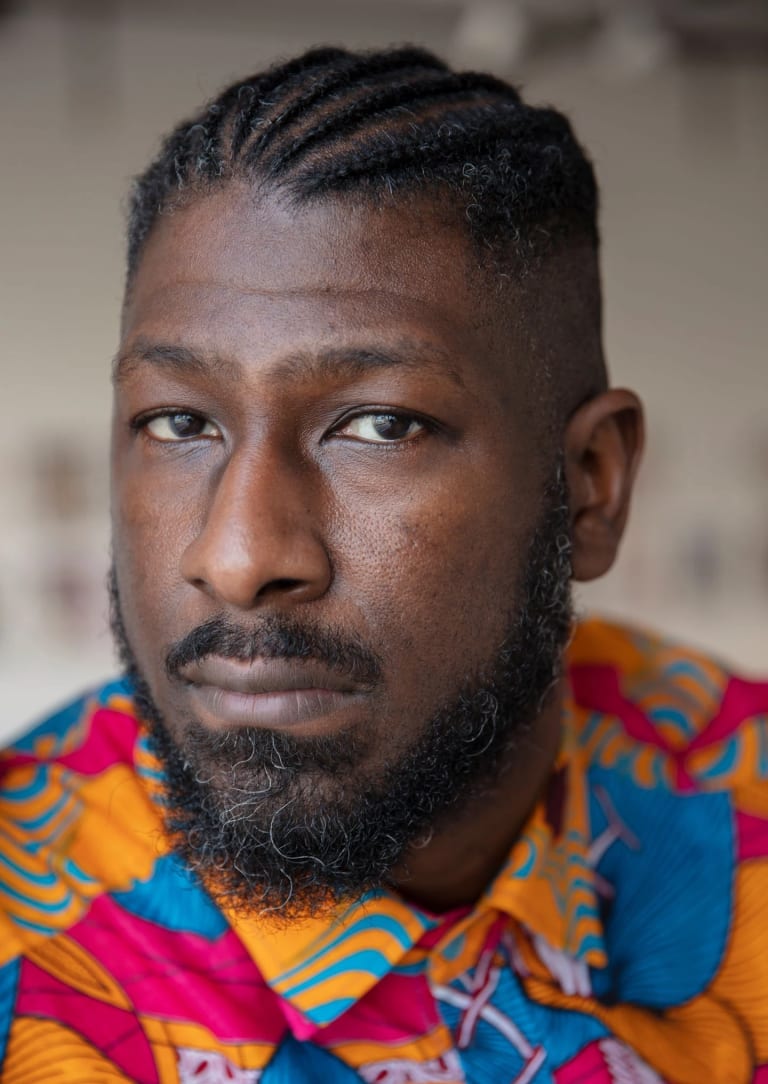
(103,715)
(77,817)
(674,748)
(669,715)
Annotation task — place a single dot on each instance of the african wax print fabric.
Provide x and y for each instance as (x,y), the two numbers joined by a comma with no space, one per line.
(624,940)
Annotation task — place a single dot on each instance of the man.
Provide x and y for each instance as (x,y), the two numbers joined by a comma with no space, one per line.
(369,803)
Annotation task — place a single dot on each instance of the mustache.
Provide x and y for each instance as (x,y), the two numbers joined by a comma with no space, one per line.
(276,638)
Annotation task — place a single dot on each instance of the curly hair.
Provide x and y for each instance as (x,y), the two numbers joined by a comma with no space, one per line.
(384,123)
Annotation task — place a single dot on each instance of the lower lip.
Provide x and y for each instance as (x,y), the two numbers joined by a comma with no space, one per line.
(294,707)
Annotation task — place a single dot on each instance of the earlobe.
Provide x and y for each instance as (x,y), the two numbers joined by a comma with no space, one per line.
(603,445)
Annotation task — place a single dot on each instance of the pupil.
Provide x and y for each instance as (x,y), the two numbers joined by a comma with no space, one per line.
(185,425)
(389,425)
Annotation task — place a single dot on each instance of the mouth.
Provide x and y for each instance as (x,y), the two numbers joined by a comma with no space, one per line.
(270,693)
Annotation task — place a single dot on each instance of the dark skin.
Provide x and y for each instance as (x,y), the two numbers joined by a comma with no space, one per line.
(318,415)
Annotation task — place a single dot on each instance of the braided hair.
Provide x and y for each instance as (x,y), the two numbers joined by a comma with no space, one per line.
(379,124)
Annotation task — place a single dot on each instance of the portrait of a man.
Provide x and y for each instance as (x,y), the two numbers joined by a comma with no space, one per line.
(371,800)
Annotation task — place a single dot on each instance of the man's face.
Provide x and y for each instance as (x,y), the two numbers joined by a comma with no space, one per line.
(327,482)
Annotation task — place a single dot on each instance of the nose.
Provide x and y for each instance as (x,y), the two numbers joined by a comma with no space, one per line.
(259,539)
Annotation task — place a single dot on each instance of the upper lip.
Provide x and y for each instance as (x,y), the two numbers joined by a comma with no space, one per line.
(265,675)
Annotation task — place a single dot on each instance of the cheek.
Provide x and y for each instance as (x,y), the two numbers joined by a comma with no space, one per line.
(152,524)
(433,566)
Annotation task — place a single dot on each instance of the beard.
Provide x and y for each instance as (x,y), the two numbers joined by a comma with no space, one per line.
(285,825)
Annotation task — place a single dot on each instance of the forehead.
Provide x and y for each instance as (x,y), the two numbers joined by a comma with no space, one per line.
(267,245)
(230,262)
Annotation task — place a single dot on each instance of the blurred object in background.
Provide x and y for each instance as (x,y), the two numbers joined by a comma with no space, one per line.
(54,551)
(625,38)
(632,39)
(493,34)
(669,96)
(60,476)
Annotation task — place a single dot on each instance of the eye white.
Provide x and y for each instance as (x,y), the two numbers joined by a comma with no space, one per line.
(180,426)
(382,428)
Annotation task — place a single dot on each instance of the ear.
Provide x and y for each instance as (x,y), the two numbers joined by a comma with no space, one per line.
(603,444)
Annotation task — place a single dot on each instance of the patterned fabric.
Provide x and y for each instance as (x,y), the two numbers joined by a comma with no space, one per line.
(625,940)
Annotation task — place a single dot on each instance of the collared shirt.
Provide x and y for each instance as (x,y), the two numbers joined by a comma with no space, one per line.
(624,940)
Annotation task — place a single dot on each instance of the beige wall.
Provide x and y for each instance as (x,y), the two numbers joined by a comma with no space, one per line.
(682,154)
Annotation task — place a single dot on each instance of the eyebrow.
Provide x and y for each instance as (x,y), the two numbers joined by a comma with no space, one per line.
(349,361)
(173,357)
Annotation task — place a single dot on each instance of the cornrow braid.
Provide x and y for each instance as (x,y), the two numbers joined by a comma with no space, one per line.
(333,121)
(346,73)
(401,98)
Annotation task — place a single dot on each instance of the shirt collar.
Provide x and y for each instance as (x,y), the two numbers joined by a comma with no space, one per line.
(548,881)
(323,966)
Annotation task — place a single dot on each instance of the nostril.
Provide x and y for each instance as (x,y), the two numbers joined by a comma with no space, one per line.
(283,585)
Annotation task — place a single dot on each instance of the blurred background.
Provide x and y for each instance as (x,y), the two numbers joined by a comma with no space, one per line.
(670,97)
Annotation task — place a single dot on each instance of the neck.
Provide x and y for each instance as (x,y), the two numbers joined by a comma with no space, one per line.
(462,856)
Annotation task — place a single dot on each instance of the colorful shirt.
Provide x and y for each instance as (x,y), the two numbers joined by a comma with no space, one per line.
(624,940)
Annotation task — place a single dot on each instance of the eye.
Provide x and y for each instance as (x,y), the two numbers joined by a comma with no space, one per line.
(179,425)
(382,428)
